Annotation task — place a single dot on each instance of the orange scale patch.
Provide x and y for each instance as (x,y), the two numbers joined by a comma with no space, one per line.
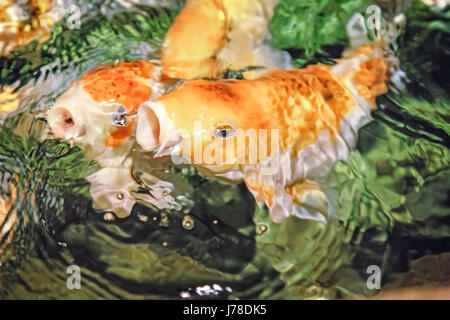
(371,79)
(137,95)
(124,83)
(320,101)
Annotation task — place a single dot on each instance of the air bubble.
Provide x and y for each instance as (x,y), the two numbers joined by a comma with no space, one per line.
(109,216)
(188,223)
(120,196)
(261,229)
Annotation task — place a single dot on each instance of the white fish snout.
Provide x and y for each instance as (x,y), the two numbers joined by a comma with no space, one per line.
(65,125)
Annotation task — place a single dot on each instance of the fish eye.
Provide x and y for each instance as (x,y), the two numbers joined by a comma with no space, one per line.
(224,129)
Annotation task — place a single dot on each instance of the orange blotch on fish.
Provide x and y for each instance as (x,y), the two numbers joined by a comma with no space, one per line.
(204,20)
(371,79)
(120,135)
(125,83)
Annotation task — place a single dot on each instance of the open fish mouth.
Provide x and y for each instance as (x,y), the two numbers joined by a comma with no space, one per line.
(154,130)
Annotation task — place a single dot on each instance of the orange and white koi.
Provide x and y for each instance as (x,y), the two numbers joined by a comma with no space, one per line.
(225,34)
(96,115)
(316,113)
(91,113)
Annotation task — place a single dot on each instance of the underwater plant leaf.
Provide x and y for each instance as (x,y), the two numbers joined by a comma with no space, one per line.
(424,47)
(311,25)
(436,112)
(120,36)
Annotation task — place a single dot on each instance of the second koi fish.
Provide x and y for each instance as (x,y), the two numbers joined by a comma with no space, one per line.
(313,115)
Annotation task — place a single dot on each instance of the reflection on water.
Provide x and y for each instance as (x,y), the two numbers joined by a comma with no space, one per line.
(182,235)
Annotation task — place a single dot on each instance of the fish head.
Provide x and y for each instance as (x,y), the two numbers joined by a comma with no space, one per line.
(77,118)
(216,125)
(95,112)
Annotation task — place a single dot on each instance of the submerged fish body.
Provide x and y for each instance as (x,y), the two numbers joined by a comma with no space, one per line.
(313,113)
(228,34)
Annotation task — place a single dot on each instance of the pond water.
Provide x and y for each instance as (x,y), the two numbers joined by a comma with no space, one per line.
(216,242)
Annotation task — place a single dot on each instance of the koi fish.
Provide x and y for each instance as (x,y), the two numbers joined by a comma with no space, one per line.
(312,114)
(95,114)
(227,34)
(91,113)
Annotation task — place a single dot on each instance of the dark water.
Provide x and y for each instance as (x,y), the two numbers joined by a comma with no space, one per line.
(393,192)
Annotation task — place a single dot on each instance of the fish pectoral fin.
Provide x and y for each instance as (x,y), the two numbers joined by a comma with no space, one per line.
(311,201)
(304,199)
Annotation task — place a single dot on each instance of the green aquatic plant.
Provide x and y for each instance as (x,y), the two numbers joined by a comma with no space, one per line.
(310,26)
(424,47)
(123,35)
(40,177)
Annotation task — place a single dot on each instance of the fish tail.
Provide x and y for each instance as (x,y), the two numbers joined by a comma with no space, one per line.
(247,24)
(370,63)
(313,201)
(383,25)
